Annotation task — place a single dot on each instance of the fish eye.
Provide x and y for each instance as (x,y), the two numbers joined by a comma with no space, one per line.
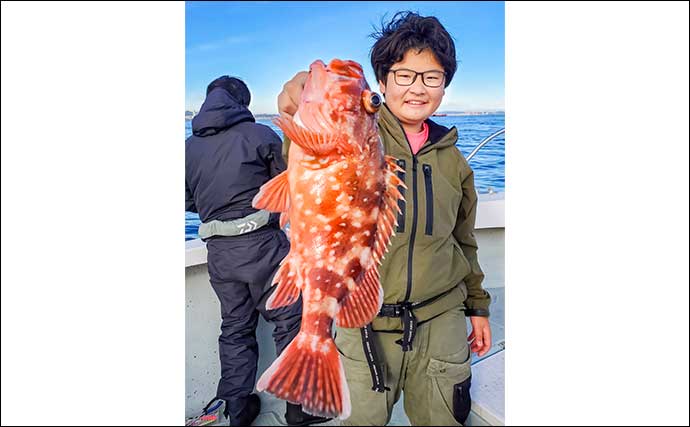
(375,100)
(372,101)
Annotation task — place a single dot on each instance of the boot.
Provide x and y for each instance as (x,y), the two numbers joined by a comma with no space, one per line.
(296,417)
(250,412)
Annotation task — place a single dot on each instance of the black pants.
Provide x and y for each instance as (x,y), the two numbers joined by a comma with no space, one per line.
(241,270)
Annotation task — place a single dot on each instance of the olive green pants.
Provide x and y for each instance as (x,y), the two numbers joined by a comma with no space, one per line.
(434,375)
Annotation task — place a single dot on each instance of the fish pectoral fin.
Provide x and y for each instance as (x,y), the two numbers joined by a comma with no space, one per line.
(274,195)
(287,291)
(314,144)
(362,304)
(284,218)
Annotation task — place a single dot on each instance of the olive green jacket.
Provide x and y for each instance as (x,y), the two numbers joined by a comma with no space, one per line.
(434,249)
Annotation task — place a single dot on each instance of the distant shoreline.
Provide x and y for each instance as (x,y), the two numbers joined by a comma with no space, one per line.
(467,113)
(190,115)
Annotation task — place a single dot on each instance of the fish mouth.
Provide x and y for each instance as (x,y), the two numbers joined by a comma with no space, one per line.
(317,65)
(330,92)
(317,74)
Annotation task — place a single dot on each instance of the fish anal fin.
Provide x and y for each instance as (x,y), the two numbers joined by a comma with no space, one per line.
(287,290)
(363,303)
(284,218)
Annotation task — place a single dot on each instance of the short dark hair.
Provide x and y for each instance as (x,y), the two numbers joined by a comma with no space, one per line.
(408,30)
(234,86)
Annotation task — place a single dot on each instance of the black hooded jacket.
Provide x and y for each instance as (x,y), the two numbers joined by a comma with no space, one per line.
(227,158)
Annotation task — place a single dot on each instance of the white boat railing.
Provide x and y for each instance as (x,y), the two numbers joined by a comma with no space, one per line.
(484,142)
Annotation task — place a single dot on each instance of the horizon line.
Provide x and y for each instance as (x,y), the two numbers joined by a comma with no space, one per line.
(435,113)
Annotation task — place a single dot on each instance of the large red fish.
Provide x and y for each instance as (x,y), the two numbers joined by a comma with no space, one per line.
(340,196)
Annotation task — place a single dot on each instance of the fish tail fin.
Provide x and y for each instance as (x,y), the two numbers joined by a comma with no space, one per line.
(309,373)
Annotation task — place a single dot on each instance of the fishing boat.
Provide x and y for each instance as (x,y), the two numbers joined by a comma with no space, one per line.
(202,319)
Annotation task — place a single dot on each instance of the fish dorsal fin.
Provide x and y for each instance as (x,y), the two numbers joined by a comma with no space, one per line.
(362,304)
(274,195)
(387,219)
(312,143)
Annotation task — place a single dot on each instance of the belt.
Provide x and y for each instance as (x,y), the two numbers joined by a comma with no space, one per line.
(406,311)
(236,227)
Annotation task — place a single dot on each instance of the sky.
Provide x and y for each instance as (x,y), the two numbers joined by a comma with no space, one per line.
(266,43)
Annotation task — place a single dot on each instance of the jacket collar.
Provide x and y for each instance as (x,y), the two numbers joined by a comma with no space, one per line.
(439,136)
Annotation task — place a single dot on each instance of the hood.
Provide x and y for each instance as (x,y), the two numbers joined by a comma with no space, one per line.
(439,136)
(219,112)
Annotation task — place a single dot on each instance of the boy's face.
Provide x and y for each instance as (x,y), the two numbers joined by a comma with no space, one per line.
(415,103)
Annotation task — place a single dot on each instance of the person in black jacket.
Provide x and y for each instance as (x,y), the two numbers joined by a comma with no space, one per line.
(228,158)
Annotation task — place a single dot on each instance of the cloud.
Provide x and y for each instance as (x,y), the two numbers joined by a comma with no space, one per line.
(194,100)
(228,41)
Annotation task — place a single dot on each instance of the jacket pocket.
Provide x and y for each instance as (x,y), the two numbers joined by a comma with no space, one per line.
(429,187)
(369,407)
(401,203)
(274,166)
(467,268)
(449,379)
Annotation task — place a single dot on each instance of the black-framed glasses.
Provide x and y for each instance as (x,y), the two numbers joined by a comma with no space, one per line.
(405,77)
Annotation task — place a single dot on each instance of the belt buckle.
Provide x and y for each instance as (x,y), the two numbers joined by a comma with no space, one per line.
(388,311)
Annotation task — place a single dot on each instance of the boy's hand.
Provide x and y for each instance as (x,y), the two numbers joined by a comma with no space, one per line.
(289,98)
(481,333)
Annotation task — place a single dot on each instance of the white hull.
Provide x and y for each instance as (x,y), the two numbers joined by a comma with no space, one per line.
(202,367)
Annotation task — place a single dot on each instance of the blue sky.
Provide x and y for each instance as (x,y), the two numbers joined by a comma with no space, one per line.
(266,43)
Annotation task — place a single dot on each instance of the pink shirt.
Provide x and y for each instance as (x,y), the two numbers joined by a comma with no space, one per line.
(418,139)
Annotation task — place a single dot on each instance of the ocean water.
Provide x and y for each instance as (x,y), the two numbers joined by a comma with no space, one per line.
(488,164)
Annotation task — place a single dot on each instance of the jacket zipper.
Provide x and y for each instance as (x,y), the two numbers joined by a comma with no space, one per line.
(401,203)
(410,251)
(413,231)
(429,200)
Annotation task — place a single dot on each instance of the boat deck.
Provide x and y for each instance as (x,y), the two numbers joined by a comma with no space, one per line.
(202,328)
(487,379)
